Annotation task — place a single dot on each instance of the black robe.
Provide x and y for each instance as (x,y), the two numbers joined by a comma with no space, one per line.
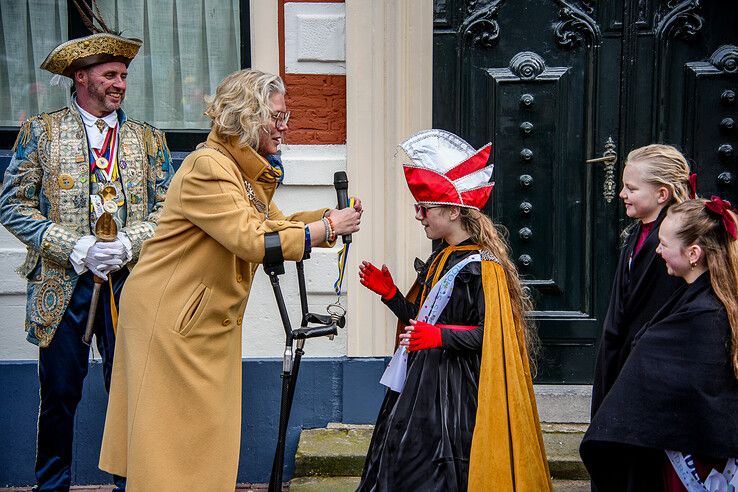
(422,438)
(638,291)
(676,391)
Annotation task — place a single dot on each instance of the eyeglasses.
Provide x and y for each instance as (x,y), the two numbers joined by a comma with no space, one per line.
(280,117)
(423,209)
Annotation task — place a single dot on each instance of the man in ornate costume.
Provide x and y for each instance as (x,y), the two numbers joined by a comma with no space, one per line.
(69,167)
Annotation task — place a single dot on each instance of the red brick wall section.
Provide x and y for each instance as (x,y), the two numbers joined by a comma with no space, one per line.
(318,109)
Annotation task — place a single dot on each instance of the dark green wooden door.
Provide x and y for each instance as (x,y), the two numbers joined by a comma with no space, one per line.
(554,84)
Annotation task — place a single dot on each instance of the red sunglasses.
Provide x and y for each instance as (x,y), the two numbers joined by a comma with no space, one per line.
(423,209)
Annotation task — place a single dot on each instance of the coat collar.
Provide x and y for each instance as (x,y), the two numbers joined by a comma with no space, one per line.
(252,164)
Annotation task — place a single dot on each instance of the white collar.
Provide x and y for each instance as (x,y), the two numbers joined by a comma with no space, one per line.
(89,119)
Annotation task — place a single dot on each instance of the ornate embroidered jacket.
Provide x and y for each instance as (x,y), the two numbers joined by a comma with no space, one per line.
(45,203)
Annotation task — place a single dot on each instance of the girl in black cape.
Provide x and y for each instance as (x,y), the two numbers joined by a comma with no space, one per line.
(429,435)
(670,421)
(654,178)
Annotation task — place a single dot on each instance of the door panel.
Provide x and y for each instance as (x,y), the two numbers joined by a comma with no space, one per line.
(710,133)
(529,87)
(555,83)
(530,132)
(681,67)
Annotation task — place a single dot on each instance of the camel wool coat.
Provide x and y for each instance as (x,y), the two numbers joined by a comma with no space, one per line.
(174,413)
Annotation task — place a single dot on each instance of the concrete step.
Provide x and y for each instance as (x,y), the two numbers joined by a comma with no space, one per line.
(562,450)
(324,484)
(571,486)
(339,450)
(349,484)
(242,487)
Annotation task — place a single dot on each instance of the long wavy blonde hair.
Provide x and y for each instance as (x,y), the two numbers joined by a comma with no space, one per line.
(698,226)
(240,106)
(486,235)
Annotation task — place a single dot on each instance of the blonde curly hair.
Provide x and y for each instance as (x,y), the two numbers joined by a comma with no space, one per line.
(240,106)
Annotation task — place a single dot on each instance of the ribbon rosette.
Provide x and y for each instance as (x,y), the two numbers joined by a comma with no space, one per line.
(723,208)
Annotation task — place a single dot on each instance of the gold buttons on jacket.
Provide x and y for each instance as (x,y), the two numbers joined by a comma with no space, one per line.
(280,223)
(239,278)
(239,321)
(226,321)
(66,181)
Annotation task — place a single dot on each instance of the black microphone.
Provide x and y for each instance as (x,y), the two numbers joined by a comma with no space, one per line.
(340,182)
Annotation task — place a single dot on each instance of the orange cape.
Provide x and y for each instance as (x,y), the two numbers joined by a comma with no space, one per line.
(507,447)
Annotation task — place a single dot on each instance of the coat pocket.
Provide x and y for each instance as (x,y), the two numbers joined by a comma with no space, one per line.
(193,310)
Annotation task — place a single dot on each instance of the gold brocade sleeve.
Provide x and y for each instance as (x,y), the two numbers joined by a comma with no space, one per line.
(507,447)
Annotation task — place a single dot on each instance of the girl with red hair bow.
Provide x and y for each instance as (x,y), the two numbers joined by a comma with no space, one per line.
(678,390)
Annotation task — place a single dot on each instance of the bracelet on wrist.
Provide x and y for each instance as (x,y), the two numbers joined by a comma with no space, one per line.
(333,230)
(327,229)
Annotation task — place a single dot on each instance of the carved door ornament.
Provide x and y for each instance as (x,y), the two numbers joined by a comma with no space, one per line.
(609,158)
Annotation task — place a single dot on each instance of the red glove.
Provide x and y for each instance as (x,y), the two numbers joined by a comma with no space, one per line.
(379,281)
(424,336)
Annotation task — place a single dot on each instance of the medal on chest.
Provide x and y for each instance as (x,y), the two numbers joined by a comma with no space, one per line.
(103,160)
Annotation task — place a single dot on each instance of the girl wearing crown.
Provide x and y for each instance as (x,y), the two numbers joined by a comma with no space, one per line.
(460,412)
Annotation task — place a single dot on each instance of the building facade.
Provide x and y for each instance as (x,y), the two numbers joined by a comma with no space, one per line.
(348,114)
(563,89)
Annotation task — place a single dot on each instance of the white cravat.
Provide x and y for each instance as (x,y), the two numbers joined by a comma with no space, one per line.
(95,137)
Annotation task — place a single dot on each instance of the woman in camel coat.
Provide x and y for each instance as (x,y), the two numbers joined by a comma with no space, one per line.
(174,414)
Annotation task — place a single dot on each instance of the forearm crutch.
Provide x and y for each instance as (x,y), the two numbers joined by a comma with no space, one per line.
(274,266)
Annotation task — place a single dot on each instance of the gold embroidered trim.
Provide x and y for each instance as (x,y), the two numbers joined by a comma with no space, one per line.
(488,256)
(58,243)
(24,136)
(61,57)
(137,234)
(32,257)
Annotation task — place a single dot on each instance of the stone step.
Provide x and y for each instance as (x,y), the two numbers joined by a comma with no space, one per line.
(324,484)
(241,487)
(339,450)
(349,484)
(562,450)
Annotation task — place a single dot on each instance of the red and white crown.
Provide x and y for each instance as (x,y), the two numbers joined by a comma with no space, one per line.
(441,168)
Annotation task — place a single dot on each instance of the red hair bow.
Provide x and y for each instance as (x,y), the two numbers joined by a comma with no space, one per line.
(693,186)
(722,208)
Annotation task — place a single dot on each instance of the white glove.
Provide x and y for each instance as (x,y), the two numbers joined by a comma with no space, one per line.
(105,257)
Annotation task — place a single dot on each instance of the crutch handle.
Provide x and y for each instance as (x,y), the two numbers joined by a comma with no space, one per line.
(315,331)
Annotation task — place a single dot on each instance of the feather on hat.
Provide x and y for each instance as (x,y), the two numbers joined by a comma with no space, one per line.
(103,46)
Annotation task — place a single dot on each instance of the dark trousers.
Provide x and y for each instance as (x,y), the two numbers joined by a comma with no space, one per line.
(62,367)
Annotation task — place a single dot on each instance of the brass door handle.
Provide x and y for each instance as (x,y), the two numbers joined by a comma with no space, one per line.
(609,158)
